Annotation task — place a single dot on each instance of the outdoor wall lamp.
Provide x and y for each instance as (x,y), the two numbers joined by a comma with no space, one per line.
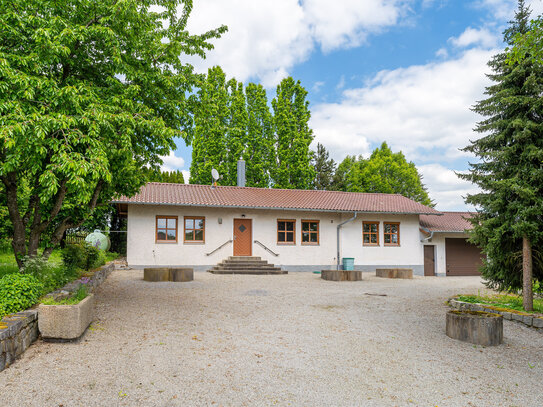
(220,221)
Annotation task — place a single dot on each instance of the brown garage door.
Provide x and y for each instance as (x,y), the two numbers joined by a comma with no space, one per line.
(463,258)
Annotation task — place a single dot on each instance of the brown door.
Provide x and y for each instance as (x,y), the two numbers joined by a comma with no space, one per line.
(462,258)
(243,236)
(429,261)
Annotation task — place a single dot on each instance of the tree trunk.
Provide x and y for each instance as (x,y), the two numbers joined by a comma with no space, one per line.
(527,294)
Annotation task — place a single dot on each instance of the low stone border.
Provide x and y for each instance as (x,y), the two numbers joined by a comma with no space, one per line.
(512,315)
(18,331)
(94,281)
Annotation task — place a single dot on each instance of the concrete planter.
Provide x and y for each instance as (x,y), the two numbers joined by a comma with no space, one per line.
(168,274)
(341,275)
(65,321)
(394,273)
(478,327)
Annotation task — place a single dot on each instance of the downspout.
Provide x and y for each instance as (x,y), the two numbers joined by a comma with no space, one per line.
(338,228)
(431,232)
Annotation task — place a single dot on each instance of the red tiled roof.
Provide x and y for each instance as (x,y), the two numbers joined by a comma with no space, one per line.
(449,222)
(265,198)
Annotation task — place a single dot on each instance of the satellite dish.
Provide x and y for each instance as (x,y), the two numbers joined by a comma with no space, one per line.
(215,174)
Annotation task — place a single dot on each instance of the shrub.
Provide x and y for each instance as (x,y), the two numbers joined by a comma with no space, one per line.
(74,256)
(38,267)
(93,257)
(19,292)
(2,311)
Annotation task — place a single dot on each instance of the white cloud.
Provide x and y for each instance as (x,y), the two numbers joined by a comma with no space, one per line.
(445,188)
(473,36)
(172,162)
(186,176)
(419,109)
(266,39)
(317,86)
(505,9)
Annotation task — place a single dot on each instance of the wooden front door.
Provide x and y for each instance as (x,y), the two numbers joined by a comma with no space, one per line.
(429,260)
(243,237)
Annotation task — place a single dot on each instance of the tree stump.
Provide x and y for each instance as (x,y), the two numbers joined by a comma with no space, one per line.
(394,273)
(156,274)
(477,327)
(181,274)
(341,275)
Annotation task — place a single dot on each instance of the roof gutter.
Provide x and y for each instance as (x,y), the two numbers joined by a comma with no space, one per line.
(338,235)
(430,232)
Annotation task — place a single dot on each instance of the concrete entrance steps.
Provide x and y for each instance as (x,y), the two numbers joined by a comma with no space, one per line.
(245,265)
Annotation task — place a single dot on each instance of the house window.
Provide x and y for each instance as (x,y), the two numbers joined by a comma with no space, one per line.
(370,233)
(166,229)
(194,229)
(285,231)
(310,232)
(392,234)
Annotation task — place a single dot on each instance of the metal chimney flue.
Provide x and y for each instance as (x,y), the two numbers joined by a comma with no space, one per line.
(241,173)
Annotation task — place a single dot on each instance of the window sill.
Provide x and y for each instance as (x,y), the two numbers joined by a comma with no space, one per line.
(286,244)
(165,242)
(193,242)
(371,245)
(391,245)
(310,244)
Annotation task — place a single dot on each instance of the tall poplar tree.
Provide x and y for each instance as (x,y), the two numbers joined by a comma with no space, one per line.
(509,222)
(211,120)
(236,131)
(259,151)
(291,121)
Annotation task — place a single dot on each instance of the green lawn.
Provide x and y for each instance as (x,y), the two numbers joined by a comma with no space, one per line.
(507,301)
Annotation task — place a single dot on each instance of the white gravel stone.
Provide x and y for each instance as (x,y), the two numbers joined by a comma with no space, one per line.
(277,340)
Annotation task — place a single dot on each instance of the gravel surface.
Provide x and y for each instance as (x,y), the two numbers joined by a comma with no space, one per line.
(277,340)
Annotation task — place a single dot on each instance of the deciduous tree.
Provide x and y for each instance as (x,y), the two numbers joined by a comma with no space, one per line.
(90,93)
(291,121)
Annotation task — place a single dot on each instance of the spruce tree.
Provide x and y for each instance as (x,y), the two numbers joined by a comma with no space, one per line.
(211,120)
(259,150)
(324,167)
(291,121)
(509,221)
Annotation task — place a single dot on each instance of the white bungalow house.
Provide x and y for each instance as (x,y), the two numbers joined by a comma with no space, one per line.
(297,230)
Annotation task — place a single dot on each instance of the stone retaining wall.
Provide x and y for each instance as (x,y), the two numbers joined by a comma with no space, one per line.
(522,317)
(18,331)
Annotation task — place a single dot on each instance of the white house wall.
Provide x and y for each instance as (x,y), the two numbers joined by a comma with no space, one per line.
(144,251)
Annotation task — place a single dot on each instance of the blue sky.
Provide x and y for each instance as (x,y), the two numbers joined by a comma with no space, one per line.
(401,71)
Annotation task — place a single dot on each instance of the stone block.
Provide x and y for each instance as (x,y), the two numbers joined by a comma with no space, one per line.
(394,273)
(65,321)
(538,322)
(181,274)
(480,328)
(156,274)
(341,275)
(517,317)
(528,320)
(506,315)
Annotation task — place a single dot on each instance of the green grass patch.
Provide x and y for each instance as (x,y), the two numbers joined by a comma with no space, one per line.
(508,301)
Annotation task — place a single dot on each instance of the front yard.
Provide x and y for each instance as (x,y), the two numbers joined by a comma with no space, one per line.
(277,340)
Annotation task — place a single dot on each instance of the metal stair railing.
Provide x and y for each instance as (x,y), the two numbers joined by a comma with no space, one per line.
(266,248)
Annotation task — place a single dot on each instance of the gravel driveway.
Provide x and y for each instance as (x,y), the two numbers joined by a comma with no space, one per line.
(277,340)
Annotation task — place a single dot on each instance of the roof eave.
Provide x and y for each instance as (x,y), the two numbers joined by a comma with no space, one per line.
(275,208)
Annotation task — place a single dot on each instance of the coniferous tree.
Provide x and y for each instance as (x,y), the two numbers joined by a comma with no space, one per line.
(324,168)
(291,122)
(259,151)
(509,222)
(211,119)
